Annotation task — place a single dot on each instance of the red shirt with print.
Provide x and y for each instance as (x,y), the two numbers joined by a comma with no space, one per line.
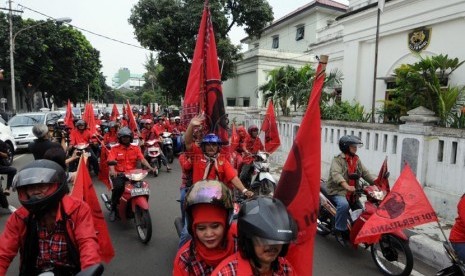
(125,156)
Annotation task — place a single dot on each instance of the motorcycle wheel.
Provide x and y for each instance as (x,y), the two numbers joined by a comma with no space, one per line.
(170,155)
(266,188)
(143,224)
(179,225)
(3,200)
(10,152)
(392,256)
(323,225)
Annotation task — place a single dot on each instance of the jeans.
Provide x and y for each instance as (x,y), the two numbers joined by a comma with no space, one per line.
(184,236)
(10,172)
(459,248)
(182,197)
(342,212)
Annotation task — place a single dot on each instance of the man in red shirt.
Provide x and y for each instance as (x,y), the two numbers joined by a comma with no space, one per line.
(126,155)
(159,127)
(111,135)
(81,135)
(177,127)
(252,145)
(149,133)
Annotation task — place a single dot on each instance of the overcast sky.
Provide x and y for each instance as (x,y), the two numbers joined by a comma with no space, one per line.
(110,18)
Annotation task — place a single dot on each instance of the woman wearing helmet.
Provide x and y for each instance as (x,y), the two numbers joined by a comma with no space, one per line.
(48,215)
(265,230)
(252,145)
(111,136)
(209,209)
(346,168)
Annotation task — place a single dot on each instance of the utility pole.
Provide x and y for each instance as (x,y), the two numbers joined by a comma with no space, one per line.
(12,62)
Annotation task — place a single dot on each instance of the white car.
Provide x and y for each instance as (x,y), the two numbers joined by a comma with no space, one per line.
(21,126)
(7,136)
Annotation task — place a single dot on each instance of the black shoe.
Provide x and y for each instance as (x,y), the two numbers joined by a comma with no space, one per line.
(340,237)
(112,215)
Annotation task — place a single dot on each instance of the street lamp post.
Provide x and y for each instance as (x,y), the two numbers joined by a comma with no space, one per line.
(12,50)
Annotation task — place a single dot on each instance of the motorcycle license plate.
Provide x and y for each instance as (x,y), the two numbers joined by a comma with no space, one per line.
(140,191)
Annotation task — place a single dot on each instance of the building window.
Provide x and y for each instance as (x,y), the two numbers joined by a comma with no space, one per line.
(231,101)
(300,32)
(275,44)
(246,102)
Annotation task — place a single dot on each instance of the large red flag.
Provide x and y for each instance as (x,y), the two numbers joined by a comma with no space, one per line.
(104,171)
(405,206)
(131,120)
(299,185)
(89,118)
(382,182)
(83,189)
(69,118)
(114,113)
(203,92)
(270,128)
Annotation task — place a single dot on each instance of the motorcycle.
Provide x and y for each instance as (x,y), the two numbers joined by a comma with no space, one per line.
(94,270)
(262,182)
(152,155)
(3,198)
(167,146)
(134,202)
(457,268)
(391,254)
(177,138)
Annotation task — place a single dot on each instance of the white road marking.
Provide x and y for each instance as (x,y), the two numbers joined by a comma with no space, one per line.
(18,156)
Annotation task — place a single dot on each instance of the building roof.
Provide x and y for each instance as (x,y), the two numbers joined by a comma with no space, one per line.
(364,8)
(329,4)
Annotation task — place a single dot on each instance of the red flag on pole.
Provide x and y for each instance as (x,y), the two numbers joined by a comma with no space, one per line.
(270,128)
(69,118)
(203,92)
(83,189)
(405,206)
(89,118)
(382,182)
(299,185)
(114,113)
(131,120)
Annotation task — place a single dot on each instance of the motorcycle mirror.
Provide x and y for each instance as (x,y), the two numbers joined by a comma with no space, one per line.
(112,163)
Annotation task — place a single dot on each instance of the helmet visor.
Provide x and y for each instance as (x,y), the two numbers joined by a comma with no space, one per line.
(32,176)
(262,241)
(209,192)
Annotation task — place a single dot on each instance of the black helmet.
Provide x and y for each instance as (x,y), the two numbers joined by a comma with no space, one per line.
(252,128)
(267,219)
(348,140)
(38,172)
(208,192)
(112,124)
(80,123)
(125,132)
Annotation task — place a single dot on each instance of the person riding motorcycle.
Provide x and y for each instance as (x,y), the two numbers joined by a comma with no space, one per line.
(148,133)
(177,126)
(345,171)
(252,145)
(52,230)
(457,233)
(209,210)
(81,135)
(111,136)
(265,230)
(126,155)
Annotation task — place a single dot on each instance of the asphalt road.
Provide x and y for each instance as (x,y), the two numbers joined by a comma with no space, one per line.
(156,258)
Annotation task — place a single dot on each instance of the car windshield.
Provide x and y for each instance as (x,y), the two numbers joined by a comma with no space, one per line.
(76,110)
(26,120)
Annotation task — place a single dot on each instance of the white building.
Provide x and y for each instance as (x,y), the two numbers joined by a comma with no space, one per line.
(284,42)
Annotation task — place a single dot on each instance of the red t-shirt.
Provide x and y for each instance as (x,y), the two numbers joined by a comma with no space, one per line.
(125,156)
(110,137)
(457,233)
(252,145)
(158,129)
(225,172)
(78,137)
(148,134)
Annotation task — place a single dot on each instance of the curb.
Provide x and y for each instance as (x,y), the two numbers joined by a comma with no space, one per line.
(428,250)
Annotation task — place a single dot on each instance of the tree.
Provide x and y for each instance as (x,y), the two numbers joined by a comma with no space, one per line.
(170,27)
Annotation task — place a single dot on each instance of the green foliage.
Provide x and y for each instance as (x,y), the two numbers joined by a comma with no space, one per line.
(51,58)
(344,111)
(171,26)
(423,84)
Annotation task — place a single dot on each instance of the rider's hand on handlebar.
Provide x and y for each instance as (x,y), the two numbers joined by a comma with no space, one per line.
(350,189)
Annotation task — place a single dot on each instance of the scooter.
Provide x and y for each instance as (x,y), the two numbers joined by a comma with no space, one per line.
(167,146)
(262,183)
(95,270)
(391,254)
(457,268)
(134,203)
(152,154)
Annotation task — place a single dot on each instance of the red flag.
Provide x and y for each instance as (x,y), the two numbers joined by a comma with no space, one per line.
(270,128)
(203,92)
(124,110)
(83,189)
(131,120)
(299,185)
(381,181)
(89,118)
(234,139)
(405,206)
(114,113)
(103,172)
(69,118)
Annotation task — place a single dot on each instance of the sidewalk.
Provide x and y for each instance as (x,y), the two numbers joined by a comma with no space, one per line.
(425,240)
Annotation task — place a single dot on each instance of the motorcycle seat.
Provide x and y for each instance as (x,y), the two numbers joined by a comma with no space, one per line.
(324,191)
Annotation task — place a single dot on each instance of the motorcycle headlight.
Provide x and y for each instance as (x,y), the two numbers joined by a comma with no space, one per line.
(378,195)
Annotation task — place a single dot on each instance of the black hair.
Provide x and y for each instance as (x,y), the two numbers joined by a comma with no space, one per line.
(247,251)
(57,155)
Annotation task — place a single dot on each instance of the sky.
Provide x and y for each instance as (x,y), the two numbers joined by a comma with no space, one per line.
(110,18)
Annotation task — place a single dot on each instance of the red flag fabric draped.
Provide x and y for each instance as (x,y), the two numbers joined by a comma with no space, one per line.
(203,92)
(104,171)
(269,126)
(234,139)
(299,185)
(89,118)
(114,113)
(405,206)
(69,118)
(381,181)
(131,120)
(83,189)
(123,110)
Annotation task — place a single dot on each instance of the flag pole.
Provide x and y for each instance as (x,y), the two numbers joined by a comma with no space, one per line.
(376,67)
